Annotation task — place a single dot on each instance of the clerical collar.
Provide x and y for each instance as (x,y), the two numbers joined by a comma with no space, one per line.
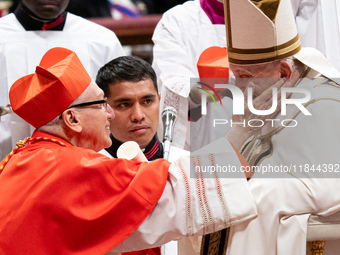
(31,24)
(152,151)
(214,10)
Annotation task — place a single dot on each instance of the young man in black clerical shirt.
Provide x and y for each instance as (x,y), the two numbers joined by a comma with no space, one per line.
(130,85)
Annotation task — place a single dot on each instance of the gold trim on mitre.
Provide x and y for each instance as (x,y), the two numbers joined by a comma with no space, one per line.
(256,56)
(257,35)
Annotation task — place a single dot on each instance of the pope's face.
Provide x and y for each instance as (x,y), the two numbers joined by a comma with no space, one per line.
(136,107)
(259,77)
(46,9)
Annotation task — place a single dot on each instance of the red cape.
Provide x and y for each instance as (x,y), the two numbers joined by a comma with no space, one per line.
(68,200)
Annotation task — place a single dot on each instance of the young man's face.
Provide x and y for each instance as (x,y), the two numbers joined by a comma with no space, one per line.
(136,107)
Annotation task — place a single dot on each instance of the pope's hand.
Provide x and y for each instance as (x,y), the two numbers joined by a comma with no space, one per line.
(239,133)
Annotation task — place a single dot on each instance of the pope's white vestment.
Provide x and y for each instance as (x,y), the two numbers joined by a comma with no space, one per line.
(183,33)
(302,172)
(21,51)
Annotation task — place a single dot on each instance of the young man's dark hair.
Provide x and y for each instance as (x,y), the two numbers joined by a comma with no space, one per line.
(125,68)
(129,83)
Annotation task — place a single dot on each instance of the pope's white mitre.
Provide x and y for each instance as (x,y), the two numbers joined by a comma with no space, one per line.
(260,31)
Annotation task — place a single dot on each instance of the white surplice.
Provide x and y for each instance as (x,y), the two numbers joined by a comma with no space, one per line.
(318,23)
(180,37)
